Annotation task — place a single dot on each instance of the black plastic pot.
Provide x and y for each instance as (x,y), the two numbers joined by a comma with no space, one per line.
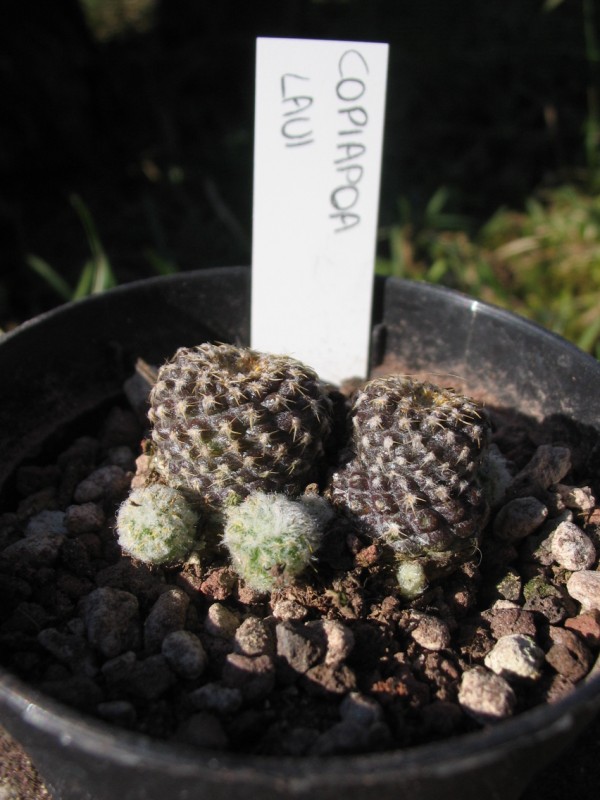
(66,362)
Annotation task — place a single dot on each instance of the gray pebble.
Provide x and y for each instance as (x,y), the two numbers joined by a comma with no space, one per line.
(486,696)
(68,649)
(506,619)
(47,522)
(254,637)
(568,655)
(519,518)
(111,619)
(216,698)
(431,633)
(548,466)
(121,456)
(289,610)
(36,550)
(84,518)
(185,654)
(584,586)
(254,677)
(296,648)
(516,657)
(108,482)
(498,473)
(76,626)
(220,621)
(136,389)
(571,548)
(119,669)
(166,615)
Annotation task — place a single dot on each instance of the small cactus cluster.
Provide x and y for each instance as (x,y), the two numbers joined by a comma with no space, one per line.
(272,538)
(228,421)
(413,475)
(241,434)
(156,524)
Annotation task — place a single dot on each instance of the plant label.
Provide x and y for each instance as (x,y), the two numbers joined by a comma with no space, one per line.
(317,164)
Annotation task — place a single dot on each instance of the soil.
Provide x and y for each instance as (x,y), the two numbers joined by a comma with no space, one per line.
(336,663)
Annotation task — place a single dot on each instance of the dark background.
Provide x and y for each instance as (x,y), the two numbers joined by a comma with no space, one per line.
(148,120)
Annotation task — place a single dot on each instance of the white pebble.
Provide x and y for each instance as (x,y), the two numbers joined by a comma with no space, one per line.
(578,498)
(516,656)
(571,548)
(339,639)
(486,696)
(289,610)
(584,586)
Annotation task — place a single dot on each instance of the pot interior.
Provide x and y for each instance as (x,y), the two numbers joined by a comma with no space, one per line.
(68,363)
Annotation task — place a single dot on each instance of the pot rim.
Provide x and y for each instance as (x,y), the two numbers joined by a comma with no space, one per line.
(463,300)
(86,733)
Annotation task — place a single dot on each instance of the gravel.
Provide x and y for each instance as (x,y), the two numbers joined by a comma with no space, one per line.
(336,664)
(516,657)
(486,696)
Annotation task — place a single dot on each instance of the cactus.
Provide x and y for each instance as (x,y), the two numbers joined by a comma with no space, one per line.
(271,538)
(156,524)
(413,475)
(228,421)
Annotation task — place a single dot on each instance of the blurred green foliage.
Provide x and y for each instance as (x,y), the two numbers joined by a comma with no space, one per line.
(96,274)
(542,262)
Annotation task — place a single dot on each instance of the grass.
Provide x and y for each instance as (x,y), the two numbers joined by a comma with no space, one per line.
(96,274)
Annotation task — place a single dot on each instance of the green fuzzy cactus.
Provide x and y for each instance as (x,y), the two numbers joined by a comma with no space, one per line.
(227,421)
(272,539)
(414,475)
(157,525)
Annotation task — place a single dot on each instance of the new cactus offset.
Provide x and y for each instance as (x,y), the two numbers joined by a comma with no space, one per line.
(272,539)
(414,475)
(156,524)
(228,421)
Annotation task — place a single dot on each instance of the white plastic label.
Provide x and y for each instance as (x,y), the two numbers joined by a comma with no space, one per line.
(317,163)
